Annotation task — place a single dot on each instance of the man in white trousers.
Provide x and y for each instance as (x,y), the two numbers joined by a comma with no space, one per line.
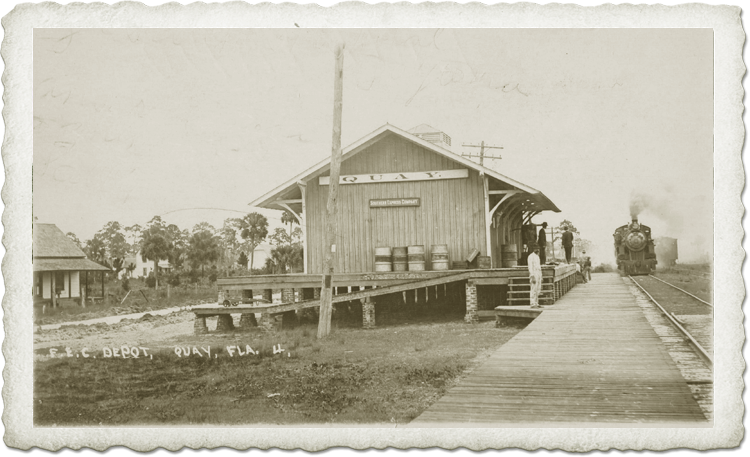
(535,277)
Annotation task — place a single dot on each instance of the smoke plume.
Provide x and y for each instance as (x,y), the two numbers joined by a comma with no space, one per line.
(662,207)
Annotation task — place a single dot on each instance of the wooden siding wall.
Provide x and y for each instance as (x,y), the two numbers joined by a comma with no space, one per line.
(72,288)
(75,284)
(451,211)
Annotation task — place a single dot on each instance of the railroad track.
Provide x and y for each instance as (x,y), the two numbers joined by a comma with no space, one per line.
(684,323)
(681,309)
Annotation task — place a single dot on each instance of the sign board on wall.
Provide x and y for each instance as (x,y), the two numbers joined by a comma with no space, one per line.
(397,177)
(391,202)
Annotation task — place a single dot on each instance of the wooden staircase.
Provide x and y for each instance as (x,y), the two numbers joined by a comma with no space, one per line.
(519,290)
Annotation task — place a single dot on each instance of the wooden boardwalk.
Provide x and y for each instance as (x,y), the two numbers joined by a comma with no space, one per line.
(590,358)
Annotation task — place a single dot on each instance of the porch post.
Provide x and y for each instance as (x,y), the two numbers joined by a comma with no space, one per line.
(53,286)
(487,220)
(303,225)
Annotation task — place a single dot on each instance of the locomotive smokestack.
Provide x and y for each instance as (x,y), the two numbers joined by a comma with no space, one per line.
(635,219)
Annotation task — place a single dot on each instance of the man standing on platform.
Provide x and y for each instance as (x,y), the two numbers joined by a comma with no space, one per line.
(535,277)
(567,242)
(586,266)
(542,243)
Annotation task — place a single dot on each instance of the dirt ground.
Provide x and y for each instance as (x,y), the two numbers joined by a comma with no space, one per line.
(152,331)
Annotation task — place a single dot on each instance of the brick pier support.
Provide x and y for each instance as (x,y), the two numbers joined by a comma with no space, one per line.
(368,313)
(224,323)
(222,295)
(287,295)
(199,327)
(472,304)
(247,320)
(270,321)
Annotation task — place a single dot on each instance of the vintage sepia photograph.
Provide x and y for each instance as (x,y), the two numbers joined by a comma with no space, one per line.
(383,228)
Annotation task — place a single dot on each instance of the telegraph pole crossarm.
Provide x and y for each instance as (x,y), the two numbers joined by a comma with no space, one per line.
(481,151)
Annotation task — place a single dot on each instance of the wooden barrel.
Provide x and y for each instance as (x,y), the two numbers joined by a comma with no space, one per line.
(383,259)
(509,254)
(400,262)
(484,262)
(415,256)
(440,257)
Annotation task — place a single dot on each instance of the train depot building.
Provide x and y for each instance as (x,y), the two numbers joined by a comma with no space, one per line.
(417,225)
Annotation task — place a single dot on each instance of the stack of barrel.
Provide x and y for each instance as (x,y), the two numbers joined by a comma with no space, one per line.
(440,257)
(383,259)
(411,258)
(400,256)
(416,258)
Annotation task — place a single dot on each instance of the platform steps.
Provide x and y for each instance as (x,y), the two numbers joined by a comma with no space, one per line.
(519,289)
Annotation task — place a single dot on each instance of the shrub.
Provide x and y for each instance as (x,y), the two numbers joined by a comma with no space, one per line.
(126,284)
(151,280)
(194,276)
(212,277)
(173,279)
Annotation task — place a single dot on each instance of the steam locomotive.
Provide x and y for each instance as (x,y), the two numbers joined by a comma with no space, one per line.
(634,249)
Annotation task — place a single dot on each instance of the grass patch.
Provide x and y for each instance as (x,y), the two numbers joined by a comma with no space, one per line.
(140,299)
(390,374)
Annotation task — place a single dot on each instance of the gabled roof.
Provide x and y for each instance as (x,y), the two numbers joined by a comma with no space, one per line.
(364,142)
(50,241)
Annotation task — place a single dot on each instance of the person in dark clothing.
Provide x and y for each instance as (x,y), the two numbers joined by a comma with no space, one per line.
(586,266)
(541,242)
(567,242)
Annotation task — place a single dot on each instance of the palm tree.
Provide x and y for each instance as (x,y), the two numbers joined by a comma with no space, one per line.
(286,257)
(288,218)
(254,230)
(203,248)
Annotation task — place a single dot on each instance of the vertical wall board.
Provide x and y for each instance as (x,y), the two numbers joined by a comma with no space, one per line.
(451,211)
(75,281)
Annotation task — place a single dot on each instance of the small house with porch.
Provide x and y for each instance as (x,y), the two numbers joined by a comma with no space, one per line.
(60,267)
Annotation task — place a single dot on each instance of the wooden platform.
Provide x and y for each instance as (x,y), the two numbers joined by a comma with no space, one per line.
(495,276)
(591,358)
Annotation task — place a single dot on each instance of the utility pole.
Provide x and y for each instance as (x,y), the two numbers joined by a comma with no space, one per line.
(326,290)
(481,151)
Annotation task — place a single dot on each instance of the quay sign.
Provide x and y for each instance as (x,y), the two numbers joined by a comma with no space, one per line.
(397,177)
(391,202)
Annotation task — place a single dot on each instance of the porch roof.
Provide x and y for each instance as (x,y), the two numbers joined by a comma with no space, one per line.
(67,265)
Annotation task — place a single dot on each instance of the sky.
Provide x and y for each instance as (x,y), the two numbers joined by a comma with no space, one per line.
(133,123)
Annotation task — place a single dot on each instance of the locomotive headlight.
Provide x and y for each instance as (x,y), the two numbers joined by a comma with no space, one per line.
(635,241)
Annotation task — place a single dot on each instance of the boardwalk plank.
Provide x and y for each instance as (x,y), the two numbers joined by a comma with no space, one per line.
(592,357)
